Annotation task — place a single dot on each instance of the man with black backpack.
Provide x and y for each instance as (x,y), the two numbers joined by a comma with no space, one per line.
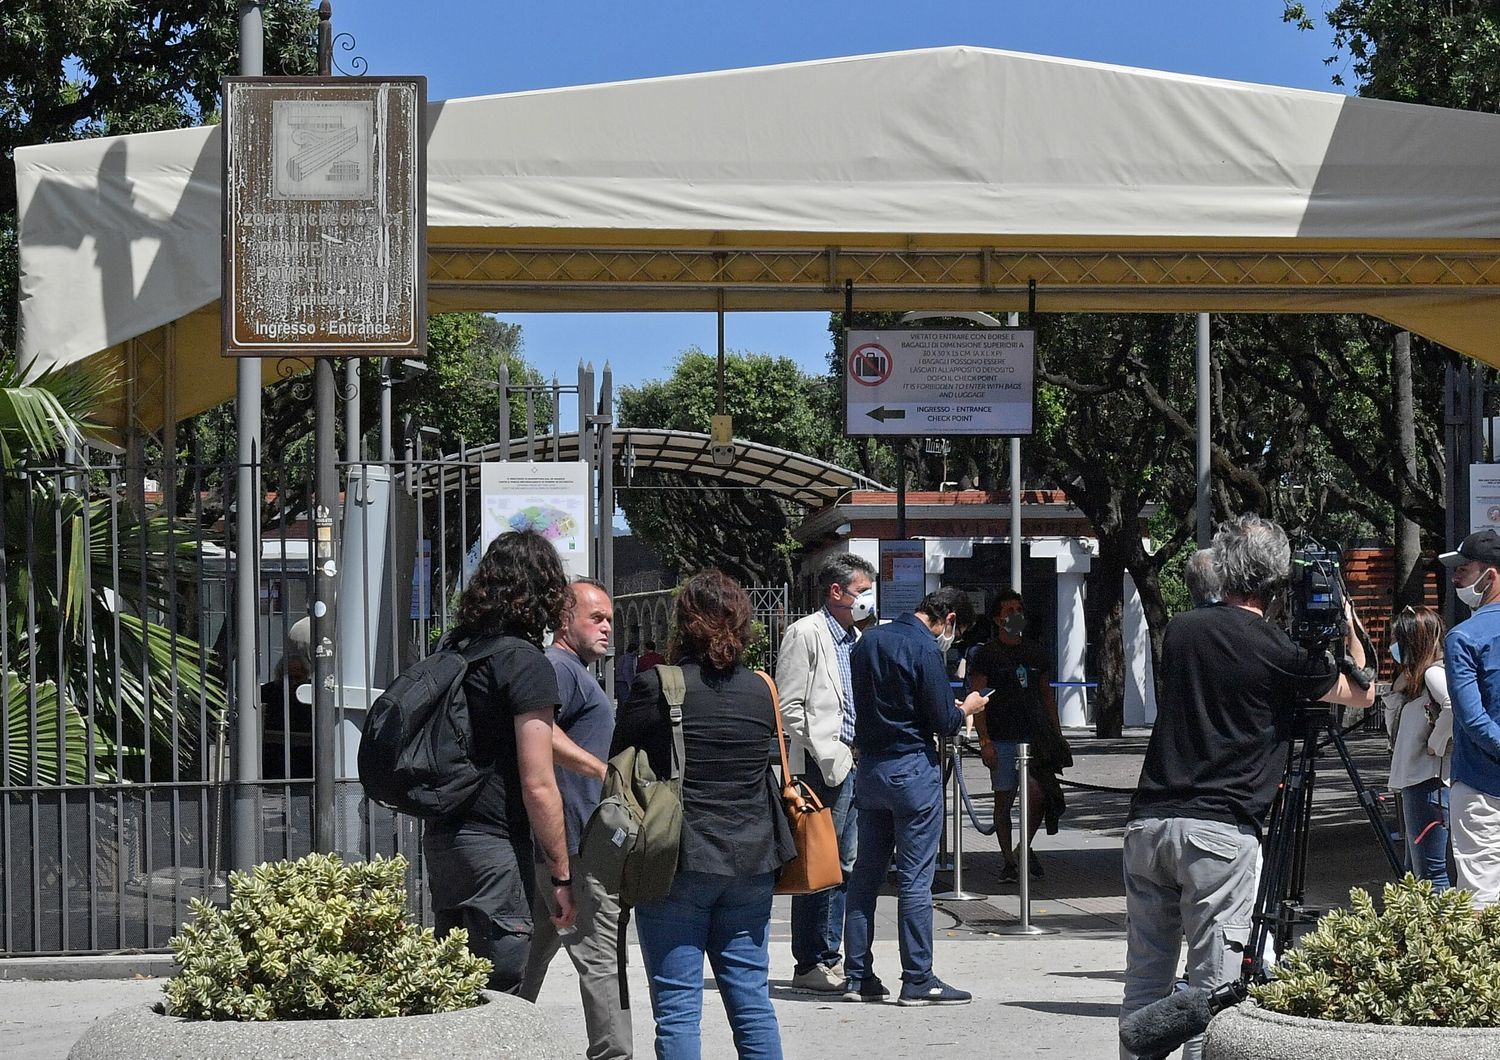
(580,743)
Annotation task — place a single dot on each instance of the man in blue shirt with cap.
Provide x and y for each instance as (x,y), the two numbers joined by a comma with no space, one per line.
(902,701)
(1471,654)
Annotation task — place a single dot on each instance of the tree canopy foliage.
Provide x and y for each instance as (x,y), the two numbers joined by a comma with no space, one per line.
(71,69)
(1440,52)
(691,520)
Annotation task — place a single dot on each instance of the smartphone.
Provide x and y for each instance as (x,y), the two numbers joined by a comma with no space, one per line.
(987,692)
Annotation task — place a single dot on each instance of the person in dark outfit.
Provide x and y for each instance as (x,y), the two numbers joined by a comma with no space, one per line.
(1230,683)
(1022,709)
(734,835)
(479,862)
(902,700)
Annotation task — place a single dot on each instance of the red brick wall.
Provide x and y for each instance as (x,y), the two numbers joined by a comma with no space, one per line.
(1370,575)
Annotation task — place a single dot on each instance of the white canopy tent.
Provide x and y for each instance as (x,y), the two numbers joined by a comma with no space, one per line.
(931,179)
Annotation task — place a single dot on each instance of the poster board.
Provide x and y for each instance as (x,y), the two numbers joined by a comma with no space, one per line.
(549,497)
(903,577)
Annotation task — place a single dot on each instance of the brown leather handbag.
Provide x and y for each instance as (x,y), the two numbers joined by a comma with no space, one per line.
(816,866)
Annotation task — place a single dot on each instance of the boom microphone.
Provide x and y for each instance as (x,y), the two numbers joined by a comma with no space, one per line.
(1163,1025)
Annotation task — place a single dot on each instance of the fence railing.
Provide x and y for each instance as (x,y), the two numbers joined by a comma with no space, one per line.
(117,689)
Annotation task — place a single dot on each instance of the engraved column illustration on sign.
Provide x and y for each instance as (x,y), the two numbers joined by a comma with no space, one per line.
(322,150)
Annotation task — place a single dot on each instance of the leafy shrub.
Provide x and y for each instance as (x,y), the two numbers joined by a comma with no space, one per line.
(1426,960)
(318,939)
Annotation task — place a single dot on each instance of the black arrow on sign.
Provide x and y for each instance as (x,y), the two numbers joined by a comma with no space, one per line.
(882,414)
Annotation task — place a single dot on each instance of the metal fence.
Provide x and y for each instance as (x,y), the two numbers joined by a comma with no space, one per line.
(117,693)
(641,617)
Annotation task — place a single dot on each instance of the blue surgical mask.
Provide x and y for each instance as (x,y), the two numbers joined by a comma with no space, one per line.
(1396,652)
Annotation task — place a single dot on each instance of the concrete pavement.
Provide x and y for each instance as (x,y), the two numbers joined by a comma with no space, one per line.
(1052,995)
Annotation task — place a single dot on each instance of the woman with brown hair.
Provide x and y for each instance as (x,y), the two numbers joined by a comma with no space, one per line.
(734,834)
(1419,717)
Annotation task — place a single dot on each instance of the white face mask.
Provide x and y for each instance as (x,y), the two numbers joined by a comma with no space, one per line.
(945,639)
(864,605)
(1472,594)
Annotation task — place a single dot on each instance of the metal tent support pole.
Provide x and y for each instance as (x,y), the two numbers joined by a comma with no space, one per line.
(1023,848)
(325,513)
(901,489)
(1205,426)
(1017,539)
(958,893)
(502,425)
(605,419)
(352,428)
(245,830)
(387,446)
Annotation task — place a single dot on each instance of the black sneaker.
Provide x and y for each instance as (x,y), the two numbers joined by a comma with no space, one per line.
(1036,867)
(1008,873)
(871,989)
(933,992)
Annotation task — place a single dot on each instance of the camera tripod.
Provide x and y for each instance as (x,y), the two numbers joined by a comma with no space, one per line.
(1279,897)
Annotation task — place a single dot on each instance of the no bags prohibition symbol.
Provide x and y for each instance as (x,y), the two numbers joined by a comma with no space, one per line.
(870,364)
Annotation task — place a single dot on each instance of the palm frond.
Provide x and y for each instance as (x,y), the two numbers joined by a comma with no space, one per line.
(50,412)
(31,725)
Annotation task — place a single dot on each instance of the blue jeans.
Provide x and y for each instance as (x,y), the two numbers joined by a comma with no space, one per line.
(900,806)
(1425,810)
(727,919)
(818,919)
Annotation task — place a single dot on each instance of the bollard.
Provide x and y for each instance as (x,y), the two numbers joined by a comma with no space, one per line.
(1023,847)
(957,894)
(945,846)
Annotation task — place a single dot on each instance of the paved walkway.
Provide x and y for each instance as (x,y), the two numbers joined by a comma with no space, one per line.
(1052,995)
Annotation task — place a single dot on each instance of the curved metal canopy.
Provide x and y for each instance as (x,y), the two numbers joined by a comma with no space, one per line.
(804,479)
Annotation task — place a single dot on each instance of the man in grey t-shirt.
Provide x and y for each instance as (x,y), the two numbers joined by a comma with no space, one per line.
(580,744)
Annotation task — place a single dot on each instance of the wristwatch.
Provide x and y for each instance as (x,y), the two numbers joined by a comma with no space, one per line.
(567,882)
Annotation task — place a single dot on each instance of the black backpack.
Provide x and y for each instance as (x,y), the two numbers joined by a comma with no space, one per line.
(415,752)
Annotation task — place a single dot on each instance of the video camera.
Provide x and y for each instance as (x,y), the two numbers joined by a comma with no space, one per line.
(1315,598)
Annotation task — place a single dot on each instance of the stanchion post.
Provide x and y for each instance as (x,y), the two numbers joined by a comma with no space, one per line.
(957,894)
(1023,780)
(945,839)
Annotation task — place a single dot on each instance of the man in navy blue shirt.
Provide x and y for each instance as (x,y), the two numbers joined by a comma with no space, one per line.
(902,702)
(1474,684)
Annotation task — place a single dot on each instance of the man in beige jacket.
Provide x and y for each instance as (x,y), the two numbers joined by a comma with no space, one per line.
(817,708)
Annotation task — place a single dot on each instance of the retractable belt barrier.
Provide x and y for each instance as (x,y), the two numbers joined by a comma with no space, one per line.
(1023,847)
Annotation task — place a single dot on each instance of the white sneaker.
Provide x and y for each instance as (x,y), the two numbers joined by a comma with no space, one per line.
(820,979)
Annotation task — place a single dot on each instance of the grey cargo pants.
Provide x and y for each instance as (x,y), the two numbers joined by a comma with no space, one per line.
(1185,878)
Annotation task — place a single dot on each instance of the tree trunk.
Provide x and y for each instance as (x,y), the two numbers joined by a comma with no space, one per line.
(1408,580)
(1105,608)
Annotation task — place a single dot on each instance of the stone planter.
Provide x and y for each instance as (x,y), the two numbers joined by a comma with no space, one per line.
(503,1028)
(1249,1032)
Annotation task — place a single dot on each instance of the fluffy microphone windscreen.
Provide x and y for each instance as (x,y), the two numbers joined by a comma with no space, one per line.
(1163,1025)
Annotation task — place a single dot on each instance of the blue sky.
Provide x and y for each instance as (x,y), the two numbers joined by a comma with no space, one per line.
(469,48)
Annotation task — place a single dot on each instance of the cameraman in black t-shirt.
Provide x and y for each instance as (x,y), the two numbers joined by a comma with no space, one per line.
(1021,708)
(1230,681)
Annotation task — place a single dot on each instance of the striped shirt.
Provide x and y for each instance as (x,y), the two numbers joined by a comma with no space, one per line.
(843,646)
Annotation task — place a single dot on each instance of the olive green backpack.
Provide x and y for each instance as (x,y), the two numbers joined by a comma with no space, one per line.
(630,843)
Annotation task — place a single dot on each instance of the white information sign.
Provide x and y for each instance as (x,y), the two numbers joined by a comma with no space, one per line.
(926,382)
(903,577)
(550,498)
(1484,496)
